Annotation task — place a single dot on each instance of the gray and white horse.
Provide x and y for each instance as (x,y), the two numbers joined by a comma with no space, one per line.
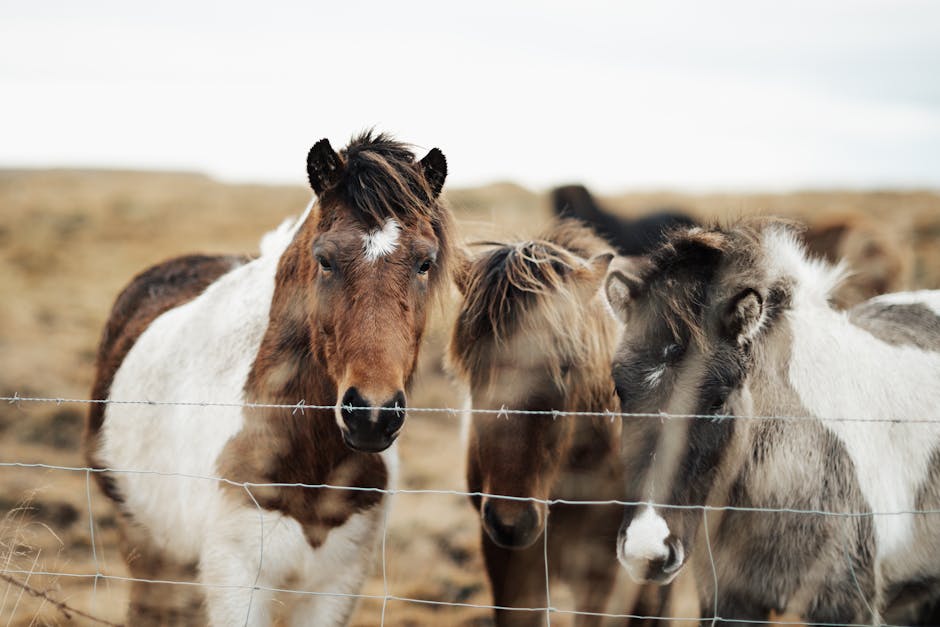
(735,325)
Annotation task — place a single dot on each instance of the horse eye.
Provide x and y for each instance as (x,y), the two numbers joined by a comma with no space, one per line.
(324,263)
(673,352)
(424,267)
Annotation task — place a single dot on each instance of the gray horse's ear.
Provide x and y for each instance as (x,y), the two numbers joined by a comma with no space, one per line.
(620,289)
(743,317)
(434,166)
(324,166)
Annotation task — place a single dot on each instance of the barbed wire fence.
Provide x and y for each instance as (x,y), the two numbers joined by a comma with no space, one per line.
(7,573)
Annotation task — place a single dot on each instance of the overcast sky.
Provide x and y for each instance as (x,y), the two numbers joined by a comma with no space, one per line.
(733,94)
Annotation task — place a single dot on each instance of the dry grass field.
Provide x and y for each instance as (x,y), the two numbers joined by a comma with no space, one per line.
(69,240)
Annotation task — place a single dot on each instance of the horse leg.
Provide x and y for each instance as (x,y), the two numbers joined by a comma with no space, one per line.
(157,604)
(734,610)
(232,567)
(651,606)
(582,553)
(348,568)
(517,579)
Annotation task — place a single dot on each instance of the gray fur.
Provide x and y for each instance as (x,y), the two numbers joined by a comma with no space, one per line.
(913,324)
(821,568)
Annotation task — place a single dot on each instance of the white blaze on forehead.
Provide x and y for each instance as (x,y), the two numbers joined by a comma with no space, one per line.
(381,242)
(645,541)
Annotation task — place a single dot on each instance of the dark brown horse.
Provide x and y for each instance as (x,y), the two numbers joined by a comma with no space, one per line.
(331,314)
(534,333)
(636,237)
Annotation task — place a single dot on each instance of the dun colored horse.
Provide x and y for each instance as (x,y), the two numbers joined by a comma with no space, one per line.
(534,333)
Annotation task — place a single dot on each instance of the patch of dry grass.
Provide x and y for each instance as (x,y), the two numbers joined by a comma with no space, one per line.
(70,240)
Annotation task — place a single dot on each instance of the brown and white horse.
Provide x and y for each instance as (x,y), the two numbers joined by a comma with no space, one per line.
(533,333)
(831,420)
(330,314)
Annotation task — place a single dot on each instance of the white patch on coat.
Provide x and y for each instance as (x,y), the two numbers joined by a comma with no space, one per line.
(846,376)
(927,298)
(815,279)
(202,351)
(242,535)
(644,542)
(381,242)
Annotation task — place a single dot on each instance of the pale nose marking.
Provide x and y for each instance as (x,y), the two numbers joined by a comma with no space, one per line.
(645,541)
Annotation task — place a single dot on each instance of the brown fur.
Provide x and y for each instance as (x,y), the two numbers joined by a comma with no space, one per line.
(322,339)
(878,262)
(361,328)
(532,308)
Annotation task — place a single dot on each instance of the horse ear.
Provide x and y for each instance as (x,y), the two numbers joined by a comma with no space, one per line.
(743,317)
(324,166)
(462,271)
(589,278)
(434,166)
(620,288)
(594,271)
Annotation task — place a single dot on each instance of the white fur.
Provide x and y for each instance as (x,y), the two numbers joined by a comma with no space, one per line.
(645,541)
(194,519)
(845,376)
(815,279)
(842,372)
(654,376)
(381,242)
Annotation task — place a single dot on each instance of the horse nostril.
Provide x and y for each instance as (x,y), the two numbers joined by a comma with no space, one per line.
(393,412)
(351,401)
(676,555)
(519,531)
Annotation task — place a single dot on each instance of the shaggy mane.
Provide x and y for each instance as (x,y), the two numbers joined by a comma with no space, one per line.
(505,284)
(382,179)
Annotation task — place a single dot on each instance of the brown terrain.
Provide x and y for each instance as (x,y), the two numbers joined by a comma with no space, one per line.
(69,241)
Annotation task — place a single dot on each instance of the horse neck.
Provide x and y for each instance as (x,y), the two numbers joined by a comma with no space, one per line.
(290,367)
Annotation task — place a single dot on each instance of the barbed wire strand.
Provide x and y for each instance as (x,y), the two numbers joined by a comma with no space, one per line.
(66,610)
(459,411)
